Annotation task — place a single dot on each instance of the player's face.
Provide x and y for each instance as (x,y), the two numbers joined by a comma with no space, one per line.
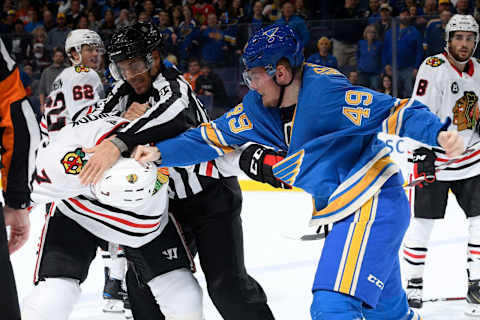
(461,45)
(92,55)
(136,73)
(259,80)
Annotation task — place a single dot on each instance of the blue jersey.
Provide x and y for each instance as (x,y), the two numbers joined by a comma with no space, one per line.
(333,151)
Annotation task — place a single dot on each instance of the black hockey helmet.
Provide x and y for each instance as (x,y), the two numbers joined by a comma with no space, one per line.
(137,40)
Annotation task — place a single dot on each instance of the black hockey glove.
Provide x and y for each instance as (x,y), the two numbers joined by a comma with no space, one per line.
(424,165)
(257,161)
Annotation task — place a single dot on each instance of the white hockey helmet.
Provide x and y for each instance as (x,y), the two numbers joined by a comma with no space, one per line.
(461,22)
(79,37)
(126,184)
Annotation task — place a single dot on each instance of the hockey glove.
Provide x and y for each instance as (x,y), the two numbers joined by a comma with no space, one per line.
(257,161)
(424,165)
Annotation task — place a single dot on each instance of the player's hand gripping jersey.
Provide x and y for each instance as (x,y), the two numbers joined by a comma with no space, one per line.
(333,120)
(452,94)
(74,93)
(58,164)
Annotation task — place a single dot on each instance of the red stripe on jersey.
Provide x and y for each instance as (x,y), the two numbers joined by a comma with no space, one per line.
(462,159)
(417,256)
(106,135)
(43,125)
(123,221)
(474,252)
(209,169)
(42,241)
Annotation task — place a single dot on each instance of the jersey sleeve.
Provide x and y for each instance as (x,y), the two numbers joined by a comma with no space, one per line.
(426,88)
(209,141)
(56,172)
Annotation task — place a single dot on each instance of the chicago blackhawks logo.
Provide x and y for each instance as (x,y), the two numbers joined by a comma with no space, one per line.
(465,111)
(434,61)
(81,69)
(162,178)
(132,178)
(74,161)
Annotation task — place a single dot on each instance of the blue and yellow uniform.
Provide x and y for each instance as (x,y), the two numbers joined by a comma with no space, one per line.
(333,154)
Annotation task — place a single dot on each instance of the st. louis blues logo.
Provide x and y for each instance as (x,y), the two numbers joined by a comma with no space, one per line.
(272,35)
(74,161)
(288,169)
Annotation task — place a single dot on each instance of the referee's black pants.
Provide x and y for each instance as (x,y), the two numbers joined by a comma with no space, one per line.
(9,308)
(213,228)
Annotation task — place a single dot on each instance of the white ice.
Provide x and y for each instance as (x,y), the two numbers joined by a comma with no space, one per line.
(285,267)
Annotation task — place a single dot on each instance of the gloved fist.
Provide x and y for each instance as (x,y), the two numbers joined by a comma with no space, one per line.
(257,161)
(424,165)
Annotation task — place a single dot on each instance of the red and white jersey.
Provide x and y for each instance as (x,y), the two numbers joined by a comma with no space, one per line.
(74,93)
(58,163)
(452,94)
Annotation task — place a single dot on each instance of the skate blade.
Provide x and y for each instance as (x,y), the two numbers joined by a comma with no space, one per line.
(113,306)
(128,314)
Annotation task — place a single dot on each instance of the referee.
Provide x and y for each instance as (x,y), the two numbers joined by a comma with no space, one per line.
(206,203)
(19,136)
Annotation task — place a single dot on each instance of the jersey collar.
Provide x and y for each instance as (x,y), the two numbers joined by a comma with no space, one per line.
(469,69)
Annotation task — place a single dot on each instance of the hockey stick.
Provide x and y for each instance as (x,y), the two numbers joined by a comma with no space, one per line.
(318,235)
(445,299)
(470,149)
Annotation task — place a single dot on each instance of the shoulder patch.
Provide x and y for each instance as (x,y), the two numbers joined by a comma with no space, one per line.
(434,61)
(73,161)
(82,69)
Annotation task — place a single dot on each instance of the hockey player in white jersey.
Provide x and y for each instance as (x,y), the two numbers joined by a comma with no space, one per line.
(77,89)
(449,84)
(129,206)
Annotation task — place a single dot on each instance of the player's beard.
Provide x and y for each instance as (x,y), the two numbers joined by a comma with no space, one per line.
(457,57)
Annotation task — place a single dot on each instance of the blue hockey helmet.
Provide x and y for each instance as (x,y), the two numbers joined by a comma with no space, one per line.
(270,44)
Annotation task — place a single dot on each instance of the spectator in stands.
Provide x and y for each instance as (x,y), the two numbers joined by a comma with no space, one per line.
(353,77)
(39,35)
(463,7)
(49,75)
(22,10)
(297,23)
(144,17)
(373,12)
(385,21)
(429,13)
(41,58)
(168,34)
(107,27)
(213,43)
(93,23)
(273,10)
(74,13)
(32,20)
(172,59)
(409,52)
(430,8)
(19,43)
(386,84)
(58,35)
(187,32)
(8,25)
(347,31)
(220,6)
(369,59)
(435,34)
(201,11)
(251,24)
(48,21)
(210,84)
(323,56)
(301,11)
(93,7)
(444,5)
(176,17)
(123,19)
(82,22)
(193,72)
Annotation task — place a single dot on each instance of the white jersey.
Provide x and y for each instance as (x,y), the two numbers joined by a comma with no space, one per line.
(74,93)
(452,94)
(58,164)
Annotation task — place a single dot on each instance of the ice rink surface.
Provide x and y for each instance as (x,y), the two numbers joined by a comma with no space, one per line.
(285,267)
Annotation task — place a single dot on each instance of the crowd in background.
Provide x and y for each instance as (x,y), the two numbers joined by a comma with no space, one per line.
(204,38)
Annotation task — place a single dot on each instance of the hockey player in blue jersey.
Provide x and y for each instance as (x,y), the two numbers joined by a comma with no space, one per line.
(328,127)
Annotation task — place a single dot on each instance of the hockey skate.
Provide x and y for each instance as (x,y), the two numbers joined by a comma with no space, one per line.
(473,298)
(113,295)
(415,293)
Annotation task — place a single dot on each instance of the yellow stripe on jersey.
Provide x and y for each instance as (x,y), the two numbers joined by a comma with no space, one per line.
(360,187)
(213,138)
(355,252)
(393,120)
